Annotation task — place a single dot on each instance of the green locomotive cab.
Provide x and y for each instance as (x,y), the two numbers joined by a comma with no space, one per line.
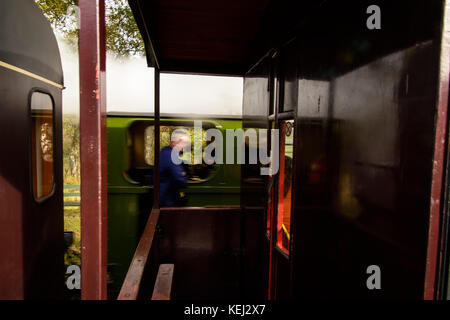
(130,181)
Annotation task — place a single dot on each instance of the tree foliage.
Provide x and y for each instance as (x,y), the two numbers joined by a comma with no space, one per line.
(71,149)
(122,34)
(123,38)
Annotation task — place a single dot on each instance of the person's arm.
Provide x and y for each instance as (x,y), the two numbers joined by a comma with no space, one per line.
(176,172)
(178,175)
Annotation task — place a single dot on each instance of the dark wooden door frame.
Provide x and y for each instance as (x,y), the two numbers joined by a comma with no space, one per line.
(276,99)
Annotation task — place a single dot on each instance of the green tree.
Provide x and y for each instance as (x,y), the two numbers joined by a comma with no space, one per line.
(123,38)
(71,149)
(122,34)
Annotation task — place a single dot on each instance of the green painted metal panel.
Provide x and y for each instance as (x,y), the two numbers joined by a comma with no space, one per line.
(129,202)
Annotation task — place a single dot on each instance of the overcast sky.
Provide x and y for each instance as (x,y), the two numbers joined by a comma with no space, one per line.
(130,88)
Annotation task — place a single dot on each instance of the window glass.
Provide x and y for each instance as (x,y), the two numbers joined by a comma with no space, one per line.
(42,145)
(289,82)
(195,172)
(285,184)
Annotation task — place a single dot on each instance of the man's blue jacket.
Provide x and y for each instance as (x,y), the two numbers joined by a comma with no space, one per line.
(172,178)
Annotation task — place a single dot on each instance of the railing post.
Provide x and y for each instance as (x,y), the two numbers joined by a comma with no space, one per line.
(157,140)
(440,147)
(93,149)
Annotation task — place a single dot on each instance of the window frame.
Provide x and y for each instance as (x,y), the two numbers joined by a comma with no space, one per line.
(179,122)
(280,185)
(30,144)
(271,193)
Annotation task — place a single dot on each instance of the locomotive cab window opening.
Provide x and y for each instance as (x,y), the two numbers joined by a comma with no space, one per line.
(142,159)
(285,185)
(42,143)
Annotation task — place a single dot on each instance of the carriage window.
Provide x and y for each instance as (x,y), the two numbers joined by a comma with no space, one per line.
(42,145)
(285,184)
(195,172)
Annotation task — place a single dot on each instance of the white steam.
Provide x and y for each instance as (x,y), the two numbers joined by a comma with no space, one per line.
(130,88)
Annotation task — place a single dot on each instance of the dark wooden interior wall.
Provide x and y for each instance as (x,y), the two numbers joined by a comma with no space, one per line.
(214,250)
(256,104)
(365,117)
(374,139)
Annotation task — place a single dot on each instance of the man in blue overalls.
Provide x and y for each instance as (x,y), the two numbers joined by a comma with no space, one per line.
(172,175)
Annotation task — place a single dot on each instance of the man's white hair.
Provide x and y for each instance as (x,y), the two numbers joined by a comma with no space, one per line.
(180,134)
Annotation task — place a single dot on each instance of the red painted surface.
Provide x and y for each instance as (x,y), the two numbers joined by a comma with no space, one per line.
(274,200)
(281,199)
(438,162)
(270,208)
(11,279)
(93,149)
